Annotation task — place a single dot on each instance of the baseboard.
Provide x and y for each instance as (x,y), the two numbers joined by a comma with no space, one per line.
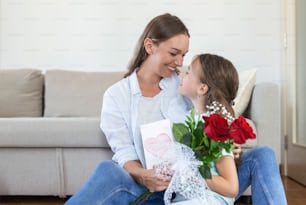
(281,169)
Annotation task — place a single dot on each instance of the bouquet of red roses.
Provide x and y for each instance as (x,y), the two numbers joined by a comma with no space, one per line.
(208,136)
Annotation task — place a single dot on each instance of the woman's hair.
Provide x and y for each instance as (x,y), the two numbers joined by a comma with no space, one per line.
(160,29)
(222,79)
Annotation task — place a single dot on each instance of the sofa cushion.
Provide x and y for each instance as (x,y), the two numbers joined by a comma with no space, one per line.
(247,80)
(21,92)
(52,132)
(76,93)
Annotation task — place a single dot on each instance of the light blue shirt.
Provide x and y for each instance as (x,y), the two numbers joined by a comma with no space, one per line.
(120,117)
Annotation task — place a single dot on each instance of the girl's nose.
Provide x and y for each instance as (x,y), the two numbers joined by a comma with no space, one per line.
(180,77)
(182,74)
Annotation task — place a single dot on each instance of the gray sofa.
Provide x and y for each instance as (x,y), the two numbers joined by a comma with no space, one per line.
(50,140)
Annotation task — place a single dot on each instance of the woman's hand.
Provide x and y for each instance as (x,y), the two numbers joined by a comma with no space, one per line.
(237,151)
(153,182)
(147,177)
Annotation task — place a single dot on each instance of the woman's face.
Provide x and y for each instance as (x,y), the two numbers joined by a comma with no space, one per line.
(168,55)
(190,82)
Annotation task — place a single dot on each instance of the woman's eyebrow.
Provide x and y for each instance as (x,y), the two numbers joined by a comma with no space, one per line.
(176,49)
(179,50)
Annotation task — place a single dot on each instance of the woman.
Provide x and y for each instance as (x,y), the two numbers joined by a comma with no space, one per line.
(148,93)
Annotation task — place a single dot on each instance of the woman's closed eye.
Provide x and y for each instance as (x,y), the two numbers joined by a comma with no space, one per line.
(173,54)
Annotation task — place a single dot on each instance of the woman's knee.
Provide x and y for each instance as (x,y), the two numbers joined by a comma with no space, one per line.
(262,155)
(108,167)
(264,152)
(113,172)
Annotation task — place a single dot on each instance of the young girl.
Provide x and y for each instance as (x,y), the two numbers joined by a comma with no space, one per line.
(211,78)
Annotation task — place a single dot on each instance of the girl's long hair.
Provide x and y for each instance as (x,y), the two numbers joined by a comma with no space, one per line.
(222,79)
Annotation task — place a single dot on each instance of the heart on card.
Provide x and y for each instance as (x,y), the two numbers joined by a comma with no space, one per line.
(157,146)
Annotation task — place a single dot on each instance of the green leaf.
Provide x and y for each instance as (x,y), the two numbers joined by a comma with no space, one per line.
(206,141)
(205,171)
(186,139)
(190,123)
(198,133)
(213,145)
(209,158)
(217,154)
(192,113)
(198,154)
(199,148)
(179,130)
(228,147)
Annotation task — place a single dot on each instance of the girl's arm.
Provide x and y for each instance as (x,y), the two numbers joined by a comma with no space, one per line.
(226,183)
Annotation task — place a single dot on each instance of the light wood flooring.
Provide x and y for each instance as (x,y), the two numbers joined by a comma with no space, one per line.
(296,195)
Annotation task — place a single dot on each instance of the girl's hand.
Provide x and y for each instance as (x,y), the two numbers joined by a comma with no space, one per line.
(237,151)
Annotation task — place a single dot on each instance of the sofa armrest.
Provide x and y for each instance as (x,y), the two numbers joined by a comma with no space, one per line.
(264,111)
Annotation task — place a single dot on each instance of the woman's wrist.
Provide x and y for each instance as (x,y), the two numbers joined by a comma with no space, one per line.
(135,169)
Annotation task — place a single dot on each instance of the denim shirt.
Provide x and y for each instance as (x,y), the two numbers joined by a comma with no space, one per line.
(120,119)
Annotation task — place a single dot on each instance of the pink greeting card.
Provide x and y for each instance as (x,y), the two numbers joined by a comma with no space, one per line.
(156,139)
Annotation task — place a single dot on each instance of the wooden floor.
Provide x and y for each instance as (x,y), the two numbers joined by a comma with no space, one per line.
(295,192)
(296,195)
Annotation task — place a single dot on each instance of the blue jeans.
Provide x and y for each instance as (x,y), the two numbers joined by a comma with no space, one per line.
(112,185)
(258,168)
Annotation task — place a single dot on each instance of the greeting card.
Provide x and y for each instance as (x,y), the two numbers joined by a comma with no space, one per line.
(156,139)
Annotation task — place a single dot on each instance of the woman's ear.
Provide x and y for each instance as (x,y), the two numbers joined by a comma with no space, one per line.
(148,45)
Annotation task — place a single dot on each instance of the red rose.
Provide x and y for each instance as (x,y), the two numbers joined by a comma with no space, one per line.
(216,127)
(240,131)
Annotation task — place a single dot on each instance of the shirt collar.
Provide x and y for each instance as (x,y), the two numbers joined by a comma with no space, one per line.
(134,85)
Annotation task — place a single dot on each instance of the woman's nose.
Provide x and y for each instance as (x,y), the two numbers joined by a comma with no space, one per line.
(179,61)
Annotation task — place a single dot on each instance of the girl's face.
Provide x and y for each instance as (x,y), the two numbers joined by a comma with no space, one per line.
(191,84)
(169,54)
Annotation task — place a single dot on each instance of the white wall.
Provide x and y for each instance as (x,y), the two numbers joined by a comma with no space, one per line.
(101,34)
